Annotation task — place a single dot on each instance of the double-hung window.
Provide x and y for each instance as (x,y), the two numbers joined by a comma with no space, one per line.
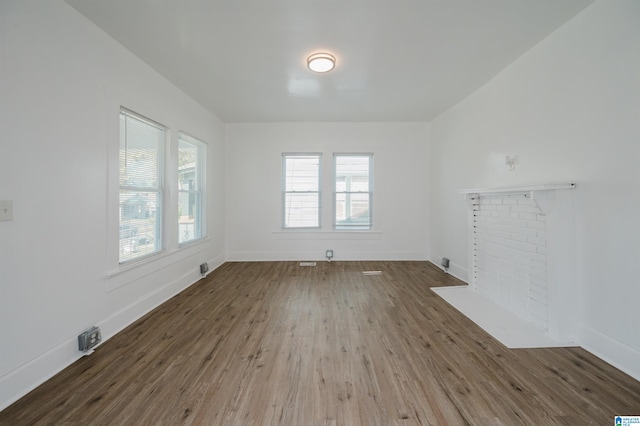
(353,191)
(141,174)
(191,157)
(301,190)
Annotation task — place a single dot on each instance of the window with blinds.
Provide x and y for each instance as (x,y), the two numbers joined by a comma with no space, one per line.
(141,170)
(191,158)
(301,190)
(353,191)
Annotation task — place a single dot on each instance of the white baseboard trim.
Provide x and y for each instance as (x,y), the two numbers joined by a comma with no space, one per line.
(215,263)
(17,383)
(120,320)
(270,256)
(610,350)
(454,269)
(22,380)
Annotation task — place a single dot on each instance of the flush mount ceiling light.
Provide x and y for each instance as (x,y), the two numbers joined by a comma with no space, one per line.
(321,62)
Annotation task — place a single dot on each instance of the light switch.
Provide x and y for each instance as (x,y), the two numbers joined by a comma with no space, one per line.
(6,210)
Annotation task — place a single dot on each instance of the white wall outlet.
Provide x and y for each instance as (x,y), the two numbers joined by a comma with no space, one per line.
(6,210)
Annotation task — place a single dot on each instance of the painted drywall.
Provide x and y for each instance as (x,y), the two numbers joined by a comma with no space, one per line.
(254,191)
(569,109)
(62,82)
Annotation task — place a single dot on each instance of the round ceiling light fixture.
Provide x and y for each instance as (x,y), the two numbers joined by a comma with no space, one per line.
(321,62)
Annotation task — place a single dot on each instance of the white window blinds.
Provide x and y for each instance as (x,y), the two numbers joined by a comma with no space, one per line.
(141,191)
(353,190)
(301,190)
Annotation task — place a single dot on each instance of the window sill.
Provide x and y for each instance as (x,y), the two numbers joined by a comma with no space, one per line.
(191,243)
(293,234)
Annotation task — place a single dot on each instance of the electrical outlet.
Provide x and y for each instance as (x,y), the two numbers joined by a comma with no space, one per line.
(89,339)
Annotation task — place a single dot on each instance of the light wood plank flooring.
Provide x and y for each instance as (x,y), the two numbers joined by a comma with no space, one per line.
(278,344)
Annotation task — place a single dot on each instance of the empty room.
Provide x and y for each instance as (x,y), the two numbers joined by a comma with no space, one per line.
(273,212)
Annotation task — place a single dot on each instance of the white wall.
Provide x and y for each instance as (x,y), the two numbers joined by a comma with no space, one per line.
(570,110)
(400,212)
(62,81)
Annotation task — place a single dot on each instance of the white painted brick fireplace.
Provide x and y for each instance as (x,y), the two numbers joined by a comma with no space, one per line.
(521,253)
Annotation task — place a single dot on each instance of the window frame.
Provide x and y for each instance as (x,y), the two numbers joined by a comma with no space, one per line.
(355,227)
(285,156)
(159,190)
(200,193)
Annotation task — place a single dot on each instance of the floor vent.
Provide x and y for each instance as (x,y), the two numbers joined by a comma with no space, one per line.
(307,263)
(371,272)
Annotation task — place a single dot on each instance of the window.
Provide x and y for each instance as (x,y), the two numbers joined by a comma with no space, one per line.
(353,190)
(141,191)
(301,190)
(191,159)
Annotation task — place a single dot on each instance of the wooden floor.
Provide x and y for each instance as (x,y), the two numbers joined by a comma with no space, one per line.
(279,344)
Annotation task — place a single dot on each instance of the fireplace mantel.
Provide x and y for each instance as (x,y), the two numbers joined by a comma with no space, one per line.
(523,188)
(541,194)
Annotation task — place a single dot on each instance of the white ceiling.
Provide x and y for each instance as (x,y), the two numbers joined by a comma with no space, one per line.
(397,60)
